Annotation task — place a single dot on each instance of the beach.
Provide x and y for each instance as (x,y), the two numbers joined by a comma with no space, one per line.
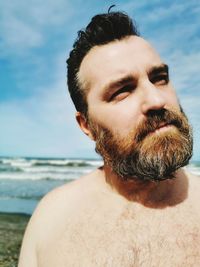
(23,182)
(12,226)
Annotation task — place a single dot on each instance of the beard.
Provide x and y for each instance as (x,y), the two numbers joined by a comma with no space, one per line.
(145,154)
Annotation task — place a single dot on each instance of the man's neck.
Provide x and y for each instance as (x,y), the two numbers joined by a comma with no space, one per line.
(154,194)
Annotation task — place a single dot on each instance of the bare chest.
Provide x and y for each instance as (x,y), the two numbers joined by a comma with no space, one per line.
(127,240)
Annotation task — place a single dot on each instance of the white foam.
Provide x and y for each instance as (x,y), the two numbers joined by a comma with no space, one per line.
(38,176)
(193,169)
(95,163)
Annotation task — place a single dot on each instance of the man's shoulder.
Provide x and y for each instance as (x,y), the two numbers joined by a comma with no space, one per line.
(193,190)
(63,202)
(67,191)
(53,214)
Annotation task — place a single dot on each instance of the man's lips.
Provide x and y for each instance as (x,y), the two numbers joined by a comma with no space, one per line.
(154,129)
(162,127)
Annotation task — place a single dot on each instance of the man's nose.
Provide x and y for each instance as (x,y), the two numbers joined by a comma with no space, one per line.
(153,97)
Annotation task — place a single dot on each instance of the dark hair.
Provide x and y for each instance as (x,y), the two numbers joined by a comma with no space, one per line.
(102,29)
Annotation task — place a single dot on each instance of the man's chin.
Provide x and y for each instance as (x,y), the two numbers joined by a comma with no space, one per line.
(157,159)
(142,174)
(161,146)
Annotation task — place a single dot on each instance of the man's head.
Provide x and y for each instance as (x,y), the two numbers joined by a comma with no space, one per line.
(102,29)
(131,109)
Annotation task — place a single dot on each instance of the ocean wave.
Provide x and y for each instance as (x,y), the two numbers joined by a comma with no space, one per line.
(194,168)
(63,164)
(74,174)
(4,168)
(27,197)
(25,163)
(17,162)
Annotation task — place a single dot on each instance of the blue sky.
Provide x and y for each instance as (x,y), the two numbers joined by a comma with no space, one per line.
(36,113)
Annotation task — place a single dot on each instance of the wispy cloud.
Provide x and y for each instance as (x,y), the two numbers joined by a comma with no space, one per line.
(26,24)
(43,124)
(16,34)
(170,9)
(185,72)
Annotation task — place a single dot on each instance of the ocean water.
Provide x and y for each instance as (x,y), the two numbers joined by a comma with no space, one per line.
(24,181)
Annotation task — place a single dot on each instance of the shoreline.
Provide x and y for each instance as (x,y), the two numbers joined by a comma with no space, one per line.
(12,227)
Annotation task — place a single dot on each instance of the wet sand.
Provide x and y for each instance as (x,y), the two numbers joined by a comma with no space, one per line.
(12,226)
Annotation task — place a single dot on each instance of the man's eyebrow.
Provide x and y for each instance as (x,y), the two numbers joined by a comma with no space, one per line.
(158,69)
(107,89)
(118,83)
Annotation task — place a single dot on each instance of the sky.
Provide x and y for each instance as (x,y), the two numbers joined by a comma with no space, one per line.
(36,113)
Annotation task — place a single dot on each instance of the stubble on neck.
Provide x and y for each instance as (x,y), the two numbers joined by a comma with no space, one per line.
(152,194)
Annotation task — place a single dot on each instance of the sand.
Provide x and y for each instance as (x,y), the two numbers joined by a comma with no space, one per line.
(12,226)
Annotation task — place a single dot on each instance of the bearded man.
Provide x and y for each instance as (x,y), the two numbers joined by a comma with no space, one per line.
(141,207)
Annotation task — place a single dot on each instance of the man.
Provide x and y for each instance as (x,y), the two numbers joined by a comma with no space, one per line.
(141,208)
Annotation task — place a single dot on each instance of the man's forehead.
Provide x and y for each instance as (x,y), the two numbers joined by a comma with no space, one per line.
(132,53)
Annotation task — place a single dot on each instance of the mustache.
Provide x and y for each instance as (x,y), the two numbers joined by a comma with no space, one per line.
(156,119)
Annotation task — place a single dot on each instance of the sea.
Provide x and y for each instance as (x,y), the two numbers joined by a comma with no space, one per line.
(24,181)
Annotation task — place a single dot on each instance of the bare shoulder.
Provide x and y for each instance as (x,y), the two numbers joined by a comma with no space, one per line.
(193,183)
(56,210)
(194,189)
(62,201)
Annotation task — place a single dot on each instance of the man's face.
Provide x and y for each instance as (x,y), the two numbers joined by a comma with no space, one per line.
(133,111)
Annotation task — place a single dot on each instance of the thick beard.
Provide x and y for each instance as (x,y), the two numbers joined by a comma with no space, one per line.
(146,155)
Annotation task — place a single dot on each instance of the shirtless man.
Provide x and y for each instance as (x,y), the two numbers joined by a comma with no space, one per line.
(141,208)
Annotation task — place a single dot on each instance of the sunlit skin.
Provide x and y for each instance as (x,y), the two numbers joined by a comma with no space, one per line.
(101,220)
(120,106)
(134,58)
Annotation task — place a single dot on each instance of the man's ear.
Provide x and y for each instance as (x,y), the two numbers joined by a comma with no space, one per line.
(83,124)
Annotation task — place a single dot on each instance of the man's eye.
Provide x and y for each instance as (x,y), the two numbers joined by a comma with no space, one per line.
(121,93)
(160,79)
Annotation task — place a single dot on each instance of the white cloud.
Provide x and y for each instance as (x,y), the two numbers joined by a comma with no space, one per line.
(160,12)
(26,24)
(17,34)
(44,124)
(191,107)
(185,71)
